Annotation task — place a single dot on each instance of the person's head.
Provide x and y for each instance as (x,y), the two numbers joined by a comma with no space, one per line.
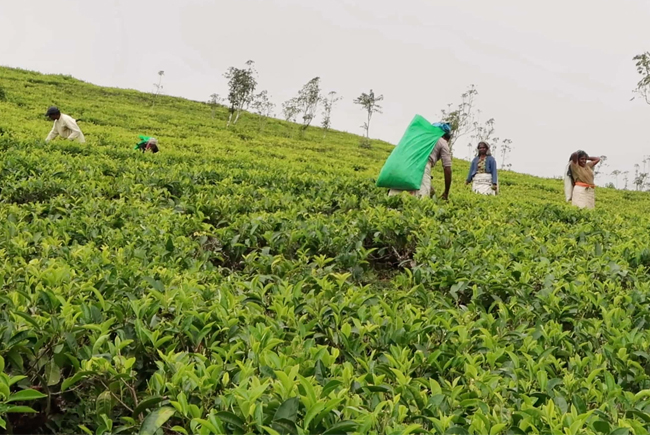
(53,113)
(483,149)
(580,157)
(152,145)
(446,129)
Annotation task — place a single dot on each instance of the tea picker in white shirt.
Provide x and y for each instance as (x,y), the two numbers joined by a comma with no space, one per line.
(64,126)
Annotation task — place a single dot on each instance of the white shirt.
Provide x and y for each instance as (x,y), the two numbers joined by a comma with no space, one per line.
(67,128)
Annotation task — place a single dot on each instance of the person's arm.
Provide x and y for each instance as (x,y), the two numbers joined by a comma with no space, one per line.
(495,176)
(471,171)
(447,170)
(445,156)
(594,161)
(53,134)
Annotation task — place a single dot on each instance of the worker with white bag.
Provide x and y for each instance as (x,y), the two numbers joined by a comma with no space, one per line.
(579,186)
(483,172)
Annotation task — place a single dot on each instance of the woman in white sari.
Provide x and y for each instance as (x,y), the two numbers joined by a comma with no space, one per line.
(581,171)
(483,172)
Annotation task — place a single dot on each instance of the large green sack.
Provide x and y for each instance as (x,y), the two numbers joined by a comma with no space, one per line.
(405,166)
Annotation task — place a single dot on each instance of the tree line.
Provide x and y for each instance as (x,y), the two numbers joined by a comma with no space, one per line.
(243,95)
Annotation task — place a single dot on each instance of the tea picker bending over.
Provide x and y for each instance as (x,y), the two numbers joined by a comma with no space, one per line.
(64,126)
(483,171)
(147,144)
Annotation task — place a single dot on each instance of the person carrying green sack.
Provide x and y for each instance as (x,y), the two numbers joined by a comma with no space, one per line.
(408,168)
(147,144)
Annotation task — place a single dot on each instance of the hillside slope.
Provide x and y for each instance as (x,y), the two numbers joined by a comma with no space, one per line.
(247,281)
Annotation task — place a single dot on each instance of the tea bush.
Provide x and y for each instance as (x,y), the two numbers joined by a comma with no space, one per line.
(255,282)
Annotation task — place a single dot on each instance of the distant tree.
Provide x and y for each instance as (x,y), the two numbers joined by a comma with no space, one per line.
(626,179)
(307,101)
(483,133)
(643,68)
(610,186)
(328,104)
(506,147)
(263,106)
(639,178)
(462,118)
(290,110)
(486,133)
(241,83)
(645,161)
(214,101)
(158,86)
(370,104)
(615,173)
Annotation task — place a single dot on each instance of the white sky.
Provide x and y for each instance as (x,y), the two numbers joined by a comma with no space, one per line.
(556,75)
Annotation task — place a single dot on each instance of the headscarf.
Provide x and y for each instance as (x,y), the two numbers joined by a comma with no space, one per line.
(443,125)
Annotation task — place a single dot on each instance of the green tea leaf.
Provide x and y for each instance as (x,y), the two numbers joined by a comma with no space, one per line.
(104,403)
(25,395)
(286,426)
(331,386)
(146,404)
(320,372)
(379,388)
(412,428)
(561,404)
(231,418)
(20,410)
(288,410)
(26,317)
(271,431)
(67,383)
(580,405)
(601,426)
(53,374)
(640,414)
(156,419)
(342,427)
(311,413)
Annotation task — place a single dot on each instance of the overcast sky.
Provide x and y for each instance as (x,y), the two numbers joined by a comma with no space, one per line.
(555,75)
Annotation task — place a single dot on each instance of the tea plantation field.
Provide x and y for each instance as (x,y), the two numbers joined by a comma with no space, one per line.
(249,281)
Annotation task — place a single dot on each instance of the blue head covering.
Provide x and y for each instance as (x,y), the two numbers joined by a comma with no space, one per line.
(445,127)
